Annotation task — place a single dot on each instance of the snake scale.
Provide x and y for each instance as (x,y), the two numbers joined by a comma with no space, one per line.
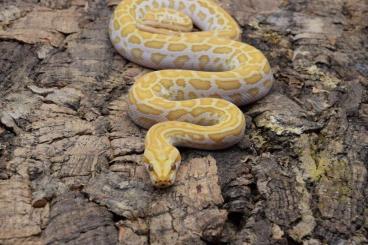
(208,73)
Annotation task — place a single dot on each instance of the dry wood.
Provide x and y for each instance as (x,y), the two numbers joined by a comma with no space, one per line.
(70,158)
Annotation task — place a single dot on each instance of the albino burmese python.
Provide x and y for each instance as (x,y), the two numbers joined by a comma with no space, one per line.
(196,105)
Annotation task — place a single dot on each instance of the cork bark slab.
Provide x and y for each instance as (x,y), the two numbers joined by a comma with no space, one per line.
(71,167)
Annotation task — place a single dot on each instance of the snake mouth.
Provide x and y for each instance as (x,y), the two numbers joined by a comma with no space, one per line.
(163,183)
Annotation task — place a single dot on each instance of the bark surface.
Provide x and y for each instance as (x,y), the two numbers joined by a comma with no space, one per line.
(70,158)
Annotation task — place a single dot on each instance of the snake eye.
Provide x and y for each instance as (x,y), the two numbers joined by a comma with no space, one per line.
(150,168)
(173,167)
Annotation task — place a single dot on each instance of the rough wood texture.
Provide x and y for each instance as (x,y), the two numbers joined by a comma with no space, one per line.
(70,158)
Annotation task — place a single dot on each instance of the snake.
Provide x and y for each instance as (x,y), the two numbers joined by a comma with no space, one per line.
(202,73)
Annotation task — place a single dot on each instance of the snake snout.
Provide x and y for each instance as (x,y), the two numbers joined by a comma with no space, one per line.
(163,183)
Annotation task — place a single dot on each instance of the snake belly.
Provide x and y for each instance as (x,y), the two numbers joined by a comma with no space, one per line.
(193,102)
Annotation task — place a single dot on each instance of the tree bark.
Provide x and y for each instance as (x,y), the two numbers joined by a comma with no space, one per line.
(70,158)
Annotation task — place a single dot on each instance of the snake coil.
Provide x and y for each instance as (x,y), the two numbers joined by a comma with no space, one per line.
(193,102)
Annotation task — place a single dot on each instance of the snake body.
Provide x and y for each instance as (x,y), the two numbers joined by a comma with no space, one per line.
(193,102)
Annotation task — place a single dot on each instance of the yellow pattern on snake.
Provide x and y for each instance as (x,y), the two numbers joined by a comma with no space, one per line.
(193,102)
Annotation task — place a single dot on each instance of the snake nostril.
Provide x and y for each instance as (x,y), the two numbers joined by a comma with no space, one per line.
(163,183)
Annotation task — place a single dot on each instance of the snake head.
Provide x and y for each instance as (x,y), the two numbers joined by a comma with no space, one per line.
(162,165)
